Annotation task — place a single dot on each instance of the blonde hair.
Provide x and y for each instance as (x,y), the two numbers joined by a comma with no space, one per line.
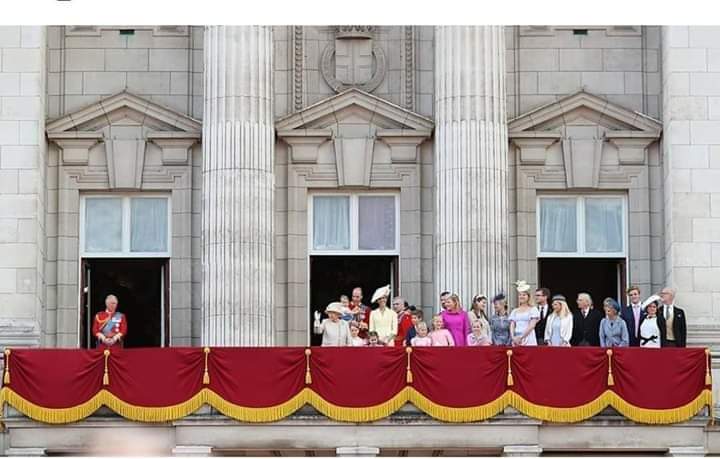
(437,316)
(455,299)
(564,309)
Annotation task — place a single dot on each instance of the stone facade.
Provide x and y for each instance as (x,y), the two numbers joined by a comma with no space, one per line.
(575,110)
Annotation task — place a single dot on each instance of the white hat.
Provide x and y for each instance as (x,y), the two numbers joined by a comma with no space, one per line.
(381,292)
(652,299)
(522,286)
(335,307)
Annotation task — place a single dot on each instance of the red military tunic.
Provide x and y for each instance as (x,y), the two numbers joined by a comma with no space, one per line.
(361,313)
(119,325)
(404,324)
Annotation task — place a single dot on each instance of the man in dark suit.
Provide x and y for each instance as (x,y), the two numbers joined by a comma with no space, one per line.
(541,301)
(671,321)
(586,323)
(631,314)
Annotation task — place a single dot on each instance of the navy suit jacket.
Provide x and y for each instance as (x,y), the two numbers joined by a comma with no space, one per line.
(627,315)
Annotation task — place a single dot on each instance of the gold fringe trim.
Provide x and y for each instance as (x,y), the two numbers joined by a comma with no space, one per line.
(553,414)
(106,377)
(6,376)
(668,416)
(206,375)
(265,414)
(510,380)
(708,377)
(408,373)
(364,414)
(308,376)
(611,380)
(452,414)
(51,415)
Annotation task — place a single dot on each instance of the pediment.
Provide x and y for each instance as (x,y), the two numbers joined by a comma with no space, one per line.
(355,107)
(583,109)
(124,109)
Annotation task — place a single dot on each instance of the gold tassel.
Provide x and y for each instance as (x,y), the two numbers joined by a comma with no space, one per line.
(408,374)
(206,375)
(6,376)
(708,377)
(106,377)
(611,380)
(308,377)
(510,381)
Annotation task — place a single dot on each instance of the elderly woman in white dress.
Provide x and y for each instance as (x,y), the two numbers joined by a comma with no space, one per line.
(335,332)
(559,325)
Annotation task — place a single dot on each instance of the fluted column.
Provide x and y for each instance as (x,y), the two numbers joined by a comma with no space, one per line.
(471,164)
(238,187)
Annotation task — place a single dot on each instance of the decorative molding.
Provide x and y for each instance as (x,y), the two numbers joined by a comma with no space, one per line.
(299,63)
(549,31)
(75,146)
(176,146)
(328,71)
(125,162)
(410,67)
(354,31)
(158,31)
(354,159)
(533,148)
(305,143)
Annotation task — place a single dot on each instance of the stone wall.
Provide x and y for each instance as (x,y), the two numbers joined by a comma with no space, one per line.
(22,184)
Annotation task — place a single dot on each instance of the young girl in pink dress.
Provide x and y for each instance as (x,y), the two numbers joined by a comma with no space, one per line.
(422,338)
(440,336)
(479,335)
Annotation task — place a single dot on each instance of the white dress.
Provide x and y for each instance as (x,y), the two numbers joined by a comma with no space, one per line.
(648,329)
(522,321)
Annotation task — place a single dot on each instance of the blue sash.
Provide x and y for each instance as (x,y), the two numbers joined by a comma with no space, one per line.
(110,324)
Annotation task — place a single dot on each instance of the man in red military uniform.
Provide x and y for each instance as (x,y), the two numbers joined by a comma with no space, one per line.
(110,326)
(360,312)
(402,309)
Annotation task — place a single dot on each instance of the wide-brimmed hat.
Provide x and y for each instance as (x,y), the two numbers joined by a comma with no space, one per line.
(380,293)
(652,299)
(336,307)
(522,286)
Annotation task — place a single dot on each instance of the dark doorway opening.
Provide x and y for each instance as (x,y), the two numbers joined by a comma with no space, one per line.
(141,286)
(600,277)
(332,276)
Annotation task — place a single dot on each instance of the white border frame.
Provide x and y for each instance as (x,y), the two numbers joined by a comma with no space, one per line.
(125,253)
(354,233)
(580,225)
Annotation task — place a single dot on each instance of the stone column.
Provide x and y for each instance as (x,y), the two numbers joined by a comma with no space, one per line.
(471,164)
(238,187)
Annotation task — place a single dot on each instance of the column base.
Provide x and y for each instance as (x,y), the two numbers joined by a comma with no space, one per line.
(192,451)
(356,451)
(687,451)
(522,450)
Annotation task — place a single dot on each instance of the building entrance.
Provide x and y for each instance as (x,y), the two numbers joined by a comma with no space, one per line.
(600,277)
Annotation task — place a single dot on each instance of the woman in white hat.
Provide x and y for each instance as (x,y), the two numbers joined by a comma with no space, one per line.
(649,329)
(335,331)
(523,318)
(383,320)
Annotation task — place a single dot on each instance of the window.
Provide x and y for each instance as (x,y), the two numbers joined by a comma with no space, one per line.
(362,223)
(582,226)
(125,226)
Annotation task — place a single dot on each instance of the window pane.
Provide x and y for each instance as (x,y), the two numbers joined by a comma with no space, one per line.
(603,225)
(558,225)
(377,222)
(148,225)
(103,225)
(331,223)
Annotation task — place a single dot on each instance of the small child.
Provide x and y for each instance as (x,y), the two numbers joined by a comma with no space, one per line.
(416,316)
(440,336)
(354,332)
(347,316)
(422,338)
(479,336)
(374,340)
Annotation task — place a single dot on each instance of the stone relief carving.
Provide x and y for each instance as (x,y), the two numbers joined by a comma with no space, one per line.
(359,63)
(409,68)
(298,58)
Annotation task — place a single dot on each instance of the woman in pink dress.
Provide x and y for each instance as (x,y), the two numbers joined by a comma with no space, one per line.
(455,320)
(440,336)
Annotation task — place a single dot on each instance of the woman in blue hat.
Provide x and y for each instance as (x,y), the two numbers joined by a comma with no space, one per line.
(613,329)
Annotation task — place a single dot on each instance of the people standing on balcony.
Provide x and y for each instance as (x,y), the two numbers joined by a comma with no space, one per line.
(649,328)
(524,318)
(416,316)
(440,336)
(586,326)
(559,325)
(542,295)
(383,321)
(478,336)
(360,311)
(374,340)
(355,335)
(334,330)
(631,314)
(477,314)
(443,300)
(500,322)
(422,338)
(613,329)
(404,319)
(455,320)
(671,320)
(110,326)
(347,315)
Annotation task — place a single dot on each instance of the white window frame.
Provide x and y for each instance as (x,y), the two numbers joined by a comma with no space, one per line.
(126,213)
(354,229)
(580,226)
